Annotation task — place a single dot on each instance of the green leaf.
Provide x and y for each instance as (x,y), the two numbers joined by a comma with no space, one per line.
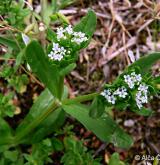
(67,69)
(8,42)
(5,132)
(76,153)
(57,144)
(146,62)
(52,122)
(46,11)
(19,59)
(63,18)
(51,35)
(43,101)
(157,80)
(115,160)
(97,108)
(105,128)
(40,65)
(143,111)
(11,155)
(49,125)
(65,3)
(87,25)
(65,93)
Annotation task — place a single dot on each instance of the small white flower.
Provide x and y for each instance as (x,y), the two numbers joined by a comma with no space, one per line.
(69,29)
(111,99)
(129,80)
(121,92)
(103,93)
(141,95)
(60,33)
(106,92)
(133,79)
(139,104)
(131,84)
(133,74)
(143,88)
(138,78)
(79,37)
(109,96)
(57,52)
(144,99)
(54,56)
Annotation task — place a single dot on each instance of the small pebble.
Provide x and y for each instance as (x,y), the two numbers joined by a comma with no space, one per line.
(129,123)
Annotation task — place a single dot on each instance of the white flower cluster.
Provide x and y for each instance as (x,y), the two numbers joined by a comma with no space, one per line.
(61,33)
(141,95)
(57,53)
(77,37)
(111,97)
(133,79)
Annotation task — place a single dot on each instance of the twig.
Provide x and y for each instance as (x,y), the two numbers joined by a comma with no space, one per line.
(130,43)
(117,17)
(37,81)
(101,148)
(10,59)
(152,145)
(75,11)
(108,38)
(144,25)
(125,50)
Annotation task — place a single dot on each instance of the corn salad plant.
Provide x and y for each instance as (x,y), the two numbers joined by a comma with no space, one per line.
(50,63)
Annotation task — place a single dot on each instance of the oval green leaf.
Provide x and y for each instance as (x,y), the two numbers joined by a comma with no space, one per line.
(105,128)
(41,66)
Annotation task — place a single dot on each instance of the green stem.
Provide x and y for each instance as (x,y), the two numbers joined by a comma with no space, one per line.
(61,87)
(44,8)
(80,98)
